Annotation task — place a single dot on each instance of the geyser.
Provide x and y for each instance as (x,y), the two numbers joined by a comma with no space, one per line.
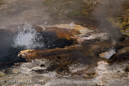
(28,38)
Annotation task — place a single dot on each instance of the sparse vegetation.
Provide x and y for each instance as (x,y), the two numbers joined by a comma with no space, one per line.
(76,10)
(82,11)
(122,19)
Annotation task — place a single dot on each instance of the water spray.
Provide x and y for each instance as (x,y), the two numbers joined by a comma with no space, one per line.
(28,38)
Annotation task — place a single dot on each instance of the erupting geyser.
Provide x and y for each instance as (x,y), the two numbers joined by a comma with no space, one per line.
(28,38)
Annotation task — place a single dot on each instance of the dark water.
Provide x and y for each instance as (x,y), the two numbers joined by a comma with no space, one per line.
(16,12)
(6,42)
(8,54)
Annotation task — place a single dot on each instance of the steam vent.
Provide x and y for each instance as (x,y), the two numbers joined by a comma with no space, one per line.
(64,42)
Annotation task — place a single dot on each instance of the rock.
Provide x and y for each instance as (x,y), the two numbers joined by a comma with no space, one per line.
(17,64)
(60,32)
(2,74)
(24,53)
(102,55)
(82,30)
(89,75)
(39,29)
(121,55)
(113,58)
(15,71)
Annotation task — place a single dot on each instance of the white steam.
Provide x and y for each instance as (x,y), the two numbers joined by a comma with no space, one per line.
(110,52)
(101,36)
(28,38)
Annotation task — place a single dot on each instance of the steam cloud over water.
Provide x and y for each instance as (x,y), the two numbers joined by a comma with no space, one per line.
(28,38)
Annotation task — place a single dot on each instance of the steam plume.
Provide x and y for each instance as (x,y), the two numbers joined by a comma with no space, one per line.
(28,38)
(107,9)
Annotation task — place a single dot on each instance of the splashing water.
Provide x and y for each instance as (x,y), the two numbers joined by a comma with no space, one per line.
(72,24)
(28,38)
(110,52)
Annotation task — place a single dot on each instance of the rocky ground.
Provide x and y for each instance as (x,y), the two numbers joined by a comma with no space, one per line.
(82,62)
(82,46)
